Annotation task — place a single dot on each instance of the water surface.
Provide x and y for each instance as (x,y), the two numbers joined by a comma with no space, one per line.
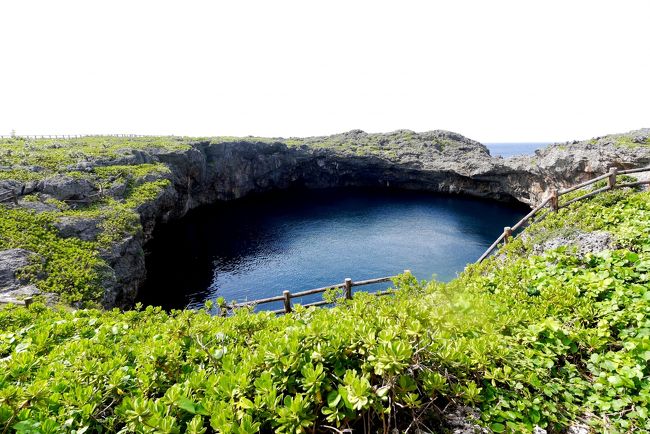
(259,246)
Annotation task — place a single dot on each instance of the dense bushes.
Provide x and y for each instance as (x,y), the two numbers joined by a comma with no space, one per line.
(68,266)
(530,340)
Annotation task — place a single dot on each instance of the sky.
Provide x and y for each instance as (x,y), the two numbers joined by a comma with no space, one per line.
(494,71)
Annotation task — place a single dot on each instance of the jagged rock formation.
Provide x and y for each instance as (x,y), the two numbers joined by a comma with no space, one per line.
(208,171)
(569,163)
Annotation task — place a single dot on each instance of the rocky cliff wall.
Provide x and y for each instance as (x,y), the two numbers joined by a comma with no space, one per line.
(207,171)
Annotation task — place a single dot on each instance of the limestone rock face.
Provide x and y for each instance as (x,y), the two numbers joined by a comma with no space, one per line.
(127,273)
(566,164)
(438,161)
(13,289)
(11,261)
(63,187)
(581,242)
(83,228)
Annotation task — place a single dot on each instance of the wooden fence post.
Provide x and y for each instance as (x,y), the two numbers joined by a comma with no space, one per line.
(287,301)
(507,231)
(223,309)
(348,288)
(611,181)
(554,200)
(28,301)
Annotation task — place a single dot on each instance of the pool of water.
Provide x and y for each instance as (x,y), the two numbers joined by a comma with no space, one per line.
(295,240)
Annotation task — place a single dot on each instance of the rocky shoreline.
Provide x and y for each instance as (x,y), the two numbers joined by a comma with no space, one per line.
(208,170)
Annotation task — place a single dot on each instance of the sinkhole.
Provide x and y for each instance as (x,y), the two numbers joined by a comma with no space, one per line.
(295,240)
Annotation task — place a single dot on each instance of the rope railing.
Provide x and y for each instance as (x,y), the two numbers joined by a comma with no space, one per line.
(552,201)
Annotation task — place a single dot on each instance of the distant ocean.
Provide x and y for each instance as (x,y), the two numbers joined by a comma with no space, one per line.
(506,150)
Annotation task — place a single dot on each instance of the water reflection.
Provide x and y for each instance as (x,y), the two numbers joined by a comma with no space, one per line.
(260,246)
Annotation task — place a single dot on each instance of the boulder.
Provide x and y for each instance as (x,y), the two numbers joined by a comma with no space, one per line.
(63,187)
(86,229)
(127,271)
(462,420)
(38,206)
(16,296)
(583,243)
(11,261)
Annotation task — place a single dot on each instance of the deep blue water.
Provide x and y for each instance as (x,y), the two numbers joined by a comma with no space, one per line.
(259,246)
(506,150)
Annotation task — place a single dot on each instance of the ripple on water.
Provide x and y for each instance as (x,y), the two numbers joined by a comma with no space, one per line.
(296,240)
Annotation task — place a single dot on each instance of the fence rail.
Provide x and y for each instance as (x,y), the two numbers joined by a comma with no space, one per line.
(27,301)
(8,195)
(553,201)
(287,296)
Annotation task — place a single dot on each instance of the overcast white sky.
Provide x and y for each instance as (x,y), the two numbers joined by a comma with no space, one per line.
(490,70)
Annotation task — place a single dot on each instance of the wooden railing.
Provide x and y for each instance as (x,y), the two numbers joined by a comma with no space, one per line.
(27,301)
(552,201)
(287,296)
(8,195)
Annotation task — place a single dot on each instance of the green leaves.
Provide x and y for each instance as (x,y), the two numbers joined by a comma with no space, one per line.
(313,377)
(356,391)
(538,340)
(391,355)
(68,266)
(295,416)
(191,407)
(195,426)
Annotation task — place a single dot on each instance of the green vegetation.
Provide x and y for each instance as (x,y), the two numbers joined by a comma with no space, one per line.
(68,266)
(116,182)
(629,140)
(530,340)
(51,156)
(391,145)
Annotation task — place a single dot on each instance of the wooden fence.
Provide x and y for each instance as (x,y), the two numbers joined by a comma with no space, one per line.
(552,201)
(27,301)
(8,195)
(287,296)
